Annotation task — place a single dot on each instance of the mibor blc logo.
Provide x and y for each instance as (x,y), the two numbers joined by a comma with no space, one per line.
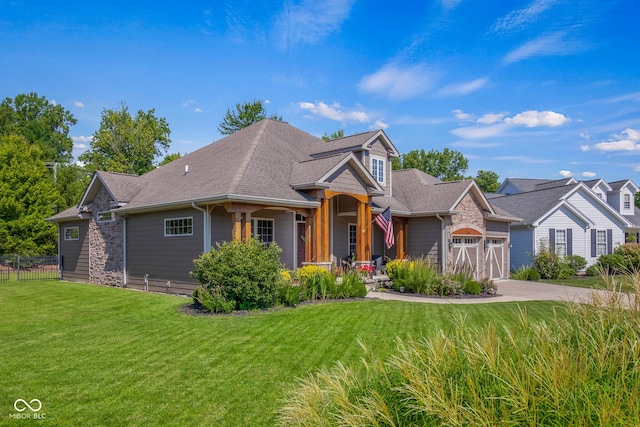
(28,410)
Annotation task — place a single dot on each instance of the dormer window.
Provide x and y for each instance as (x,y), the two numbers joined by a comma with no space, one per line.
(627,202)
(377,169)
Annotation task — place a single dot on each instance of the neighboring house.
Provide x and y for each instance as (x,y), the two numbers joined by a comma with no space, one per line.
(316,199)
(577,218)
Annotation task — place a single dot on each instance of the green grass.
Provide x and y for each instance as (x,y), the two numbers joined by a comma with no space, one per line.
(594,282)
(104,356)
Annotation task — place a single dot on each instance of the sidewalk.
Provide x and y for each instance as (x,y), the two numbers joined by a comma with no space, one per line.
(508,291)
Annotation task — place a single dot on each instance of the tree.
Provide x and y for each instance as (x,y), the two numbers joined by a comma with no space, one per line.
(447,165)
(638,200)
(127,144)
(169,158)
(487,181)
(244,115)
(71,181)
(27,197)
(335,135)
(41,122)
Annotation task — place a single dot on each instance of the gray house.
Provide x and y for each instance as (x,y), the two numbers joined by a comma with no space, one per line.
(316,199)
(586,218)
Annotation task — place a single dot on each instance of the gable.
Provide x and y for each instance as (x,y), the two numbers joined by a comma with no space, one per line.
(346,179)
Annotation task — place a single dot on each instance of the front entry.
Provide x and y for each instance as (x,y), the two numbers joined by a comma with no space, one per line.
(300,242)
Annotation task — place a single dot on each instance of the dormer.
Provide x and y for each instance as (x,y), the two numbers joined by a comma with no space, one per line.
(600,188)
(373,149)
(622,196)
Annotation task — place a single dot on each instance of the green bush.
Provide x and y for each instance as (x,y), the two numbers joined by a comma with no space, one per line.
(471,287)
(488,286)
(630,252)
(576,262)
(352,286)
(613,263)
(525,273)
(579,369)
(551,265)
(246,272)
(212,299)
(415,275)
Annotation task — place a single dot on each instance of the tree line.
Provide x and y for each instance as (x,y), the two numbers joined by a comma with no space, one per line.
(38,175)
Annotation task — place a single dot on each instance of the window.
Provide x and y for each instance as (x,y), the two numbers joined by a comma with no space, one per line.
(377,169)
(352,239)
(561,242)
(178,227)
(601,242)
(105,216)
(627,202)
(71,233)
(262,229)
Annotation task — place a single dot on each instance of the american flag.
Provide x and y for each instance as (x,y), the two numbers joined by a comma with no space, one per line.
(386,224)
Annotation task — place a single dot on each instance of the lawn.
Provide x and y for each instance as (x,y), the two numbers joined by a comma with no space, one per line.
(595,282)
(96,355)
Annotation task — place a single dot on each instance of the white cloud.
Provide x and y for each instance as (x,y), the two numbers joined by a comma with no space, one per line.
(588,174)
(379,124)
(78,104)
(480,132)
(310,21)
(197,110)
(76,139)
(334,112)
(53,102)
(80,146)
(585,148)
(521,17)
(628,140)
(545,45)
(535,118)
(267,101)
(463,88)
(565,173)
(637,169)
(462,116)
(397,82)
(490,118)
(188,103)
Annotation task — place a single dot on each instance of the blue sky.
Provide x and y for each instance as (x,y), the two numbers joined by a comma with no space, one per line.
(530,89)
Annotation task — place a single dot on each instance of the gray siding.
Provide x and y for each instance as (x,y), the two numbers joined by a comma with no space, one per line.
(75,253)
(346,180)
(425,238)
(164,259)
(284,228)
(379,150)
(221,226)
(497,227)
(340,234)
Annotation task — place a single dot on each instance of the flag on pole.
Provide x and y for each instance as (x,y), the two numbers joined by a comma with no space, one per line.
(386,224)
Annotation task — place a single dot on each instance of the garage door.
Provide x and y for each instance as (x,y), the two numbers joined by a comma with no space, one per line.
(494,259)
(465,254)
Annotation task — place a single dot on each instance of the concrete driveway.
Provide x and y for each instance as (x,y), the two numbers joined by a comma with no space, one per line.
(508,290)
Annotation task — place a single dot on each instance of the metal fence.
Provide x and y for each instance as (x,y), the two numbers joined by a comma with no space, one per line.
(14,267)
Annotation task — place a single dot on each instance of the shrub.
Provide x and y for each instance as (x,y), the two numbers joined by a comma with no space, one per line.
(549,264)
(630,252)
(291,294)
(416,276)
(471,287)
(394,267)
(612,263)
(444,286)
(580,369)
(593,270)
(525,273)
(212,299)
(247,272)
(317,282)
(576,262)
(488,286)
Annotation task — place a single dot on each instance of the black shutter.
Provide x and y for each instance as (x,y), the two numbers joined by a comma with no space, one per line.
(609,241)
(569,241)
(593,243)
(552,238)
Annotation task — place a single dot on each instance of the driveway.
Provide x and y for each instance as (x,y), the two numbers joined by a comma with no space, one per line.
(508,290)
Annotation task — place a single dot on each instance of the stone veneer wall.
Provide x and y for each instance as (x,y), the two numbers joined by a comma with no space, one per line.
(470,214)
(106,262)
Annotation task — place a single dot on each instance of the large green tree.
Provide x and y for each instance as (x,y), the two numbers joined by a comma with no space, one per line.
(244,115)
(27,197)
(487,181)
(127,144)
(41,122)
(335,135)
(447,165)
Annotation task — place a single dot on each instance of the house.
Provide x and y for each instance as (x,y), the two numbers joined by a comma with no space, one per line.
(316,199)
(587,218)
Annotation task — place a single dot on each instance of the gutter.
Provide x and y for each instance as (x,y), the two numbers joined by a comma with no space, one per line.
(124,251)
(205,229)
(443,261)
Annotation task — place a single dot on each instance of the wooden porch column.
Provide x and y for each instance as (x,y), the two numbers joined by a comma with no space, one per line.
(324,227)
(308,249)
(367,231)
(402,240)
(317,234)
(236,230)
(246,229)
(360,230)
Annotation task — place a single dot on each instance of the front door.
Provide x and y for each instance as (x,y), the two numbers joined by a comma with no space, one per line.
(300,236)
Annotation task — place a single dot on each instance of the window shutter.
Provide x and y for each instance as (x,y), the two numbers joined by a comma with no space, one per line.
(552,238)
(609,241)
(593,242)
(569,241)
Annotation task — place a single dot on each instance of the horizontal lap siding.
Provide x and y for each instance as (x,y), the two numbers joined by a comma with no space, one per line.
(75,253)
(164,259)
(424,238)
(284,228)
(340,233)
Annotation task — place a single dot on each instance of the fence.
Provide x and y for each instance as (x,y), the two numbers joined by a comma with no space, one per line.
(14,267)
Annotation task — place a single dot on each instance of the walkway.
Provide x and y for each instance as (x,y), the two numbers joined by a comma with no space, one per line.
(508,291)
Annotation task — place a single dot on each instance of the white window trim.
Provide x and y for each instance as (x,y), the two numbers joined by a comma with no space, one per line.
(254,226)
(624,202)
(72,238)
(355,244)
(561,244)
(601,244)
(384,168)
(113,217)
(177,219)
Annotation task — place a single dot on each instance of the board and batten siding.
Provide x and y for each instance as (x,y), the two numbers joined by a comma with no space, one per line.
(425,238)
(167,260)
(75,253)
(522,247)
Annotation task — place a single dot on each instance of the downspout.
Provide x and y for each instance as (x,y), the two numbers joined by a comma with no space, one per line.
(124,251)
(60,267)
(204,229)
(443,261)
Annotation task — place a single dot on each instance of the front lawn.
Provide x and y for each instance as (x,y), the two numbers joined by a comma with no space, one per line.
(104,356)
(593,282)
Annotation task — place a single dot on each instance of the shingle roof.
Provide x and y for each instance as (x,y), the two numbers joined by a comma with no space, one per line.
(527,184)
(123,186)
(531,205)
(348,142)
(635,218)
